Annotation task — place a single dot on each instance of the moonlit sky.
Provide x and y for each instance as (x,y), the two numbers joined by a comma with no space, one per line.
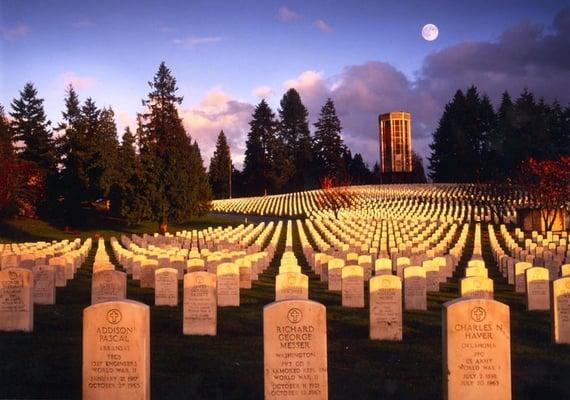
(368,56)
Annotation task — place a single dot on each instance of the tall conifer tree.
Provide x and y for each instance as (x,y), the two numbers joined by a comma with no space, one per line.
(220,168)
(295,134)
(266,166)
(328,146)
(30,126)
(170,173)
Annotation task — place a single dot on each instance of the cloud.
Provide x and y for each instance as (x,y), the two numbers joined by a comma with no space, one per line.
(312,84)
(78,82)
(195,41)
(323,26)
(218,111)
(124,119)
(526,55)
(287,15)
(263,92)
(84,23)
(14,33)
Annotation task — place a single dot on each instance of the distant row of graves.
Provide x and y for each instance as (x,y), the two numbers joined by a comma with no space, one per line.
(400,260)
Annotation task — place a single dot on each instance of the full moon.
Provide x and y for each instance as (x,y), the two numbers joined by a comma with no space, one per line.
(430,32)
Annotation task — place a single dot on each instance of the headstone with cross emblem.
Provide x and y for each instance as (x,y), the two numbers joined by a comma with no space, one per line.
(352,286)
(520,281)
(16,300)
(291,286)
(537,289)
(166,287)
(386,308)
(476,286)
(295,350)
(108,285)
(415,296)
(561,310)
(200,308)
(116,351)
(44,284)
(228,285)
(476,350)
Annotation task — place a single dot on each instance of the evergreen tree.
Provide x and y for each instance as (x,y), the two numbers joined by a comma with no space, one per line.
(220,168)
(358,171)
(21,181)
(445,154)
(124,190)
(169,161)
(102,169)
(418,174)
(6,140)
(266,166)
(74,152)
(30,126)
(376,174)
(328,146)
(462,143)
(295,134)
(202,193)
(519,146)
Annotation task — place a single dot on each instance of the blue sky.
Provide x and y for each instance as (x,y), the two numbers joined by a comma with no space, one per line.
(227,54)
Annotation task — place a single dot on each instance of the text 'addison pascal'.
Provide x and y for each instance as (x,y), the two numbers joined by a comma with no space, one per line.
(114,334)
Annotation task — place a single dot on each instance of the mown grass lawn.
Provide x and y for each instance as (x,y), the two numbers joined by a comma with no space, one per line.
(47,362)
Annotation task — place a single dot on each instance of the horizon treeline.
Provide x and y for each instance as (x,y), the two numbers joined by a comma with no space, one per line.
(475,143)
(66,171)
(282,155)
(155,173)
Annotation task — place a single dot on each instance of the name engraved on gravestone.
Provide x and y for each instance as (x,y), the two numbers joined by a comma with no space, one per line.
(166,287)
(44,284)
(352,286)
(295,350)
(16,301)
(476,350)
(386,308)
(228,285)
(415,296)
(537,289)
(476,286)
(108,285)
(291,286)
(200,308)
(116,351)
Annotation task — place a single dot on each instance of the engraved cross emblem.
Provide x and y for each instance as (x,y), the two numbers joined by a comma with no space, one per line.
(478,314)
(114,316)
(294,315)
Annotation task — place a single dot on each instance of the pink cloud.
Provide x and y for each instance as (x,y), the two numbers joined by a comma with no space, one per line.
(263,92)
(218,111)
(14,33)
(79,82)
(124,119)
(287,15)
(323,26)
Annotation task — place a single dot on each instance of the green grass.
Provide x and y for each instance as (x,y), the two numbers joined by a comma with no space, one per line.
(47,362)
(26,229)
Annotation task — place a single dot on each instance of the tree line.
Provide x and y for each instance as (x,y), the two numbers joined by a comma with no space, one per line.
(283,156)
(68,170)
(476,143)
(78,167)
